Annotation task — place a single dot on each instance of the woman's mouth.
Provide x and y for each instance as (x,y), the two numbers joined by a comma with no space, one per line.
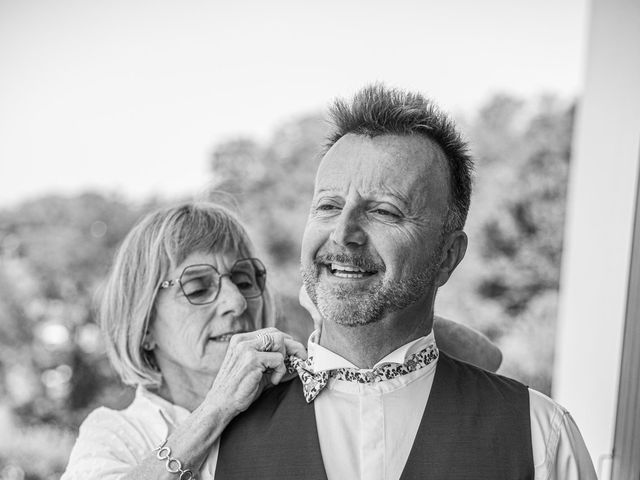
(224,338)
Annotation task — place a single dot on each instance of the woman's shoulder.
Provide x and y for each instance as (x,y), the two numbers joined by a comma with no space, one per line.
(136,428)
(106,443)
(111,440)
(104,419)
(103,416)
(133,424)
(106,427)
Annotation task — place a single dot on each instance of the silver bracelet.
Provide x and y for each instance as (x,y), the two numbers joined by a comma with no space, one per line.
(173,465)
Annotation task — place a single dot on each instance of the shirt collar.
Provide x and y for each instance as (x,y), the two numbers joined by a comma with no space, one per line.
(324,359)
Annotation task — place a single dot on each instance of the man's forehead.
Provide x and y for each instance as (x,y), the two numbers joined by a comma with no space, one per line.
(393,164)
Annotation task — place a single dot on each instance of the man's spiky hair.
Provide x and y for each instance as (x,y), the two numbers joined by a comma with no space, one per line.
(379,110)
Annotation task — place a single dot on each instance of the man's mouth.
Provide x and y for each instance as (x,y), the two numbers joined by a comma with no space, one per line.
(350,271)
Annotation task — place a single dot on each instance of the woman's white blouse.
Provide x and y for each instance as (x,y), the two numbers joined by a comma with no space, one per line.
(110,442)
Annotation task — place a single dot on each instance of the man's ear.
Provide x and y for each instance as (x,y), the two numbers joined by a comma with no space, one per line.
(455,246)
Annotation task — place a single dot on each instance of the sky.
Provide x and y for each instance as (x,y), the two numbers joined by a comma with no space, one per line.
(132,96)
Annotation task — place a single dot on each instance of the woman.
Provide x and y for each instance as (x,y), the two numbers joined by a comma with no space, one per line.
(177,312)
(188,319)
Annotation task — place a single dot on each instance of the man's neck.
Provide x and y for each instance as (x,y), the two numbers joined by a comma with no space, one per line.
(365,345)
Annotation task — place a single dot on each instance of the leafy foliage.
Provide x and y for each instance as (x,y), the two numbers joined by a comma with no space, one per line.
(516,226)
(55,251)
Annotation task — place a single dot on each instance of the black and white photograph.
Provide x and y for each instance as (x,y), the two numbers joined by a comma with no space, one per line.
(284,240)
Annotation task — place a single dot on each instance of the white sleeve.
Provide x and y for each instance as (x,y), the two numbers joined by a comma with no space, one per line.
(559,452)
(105,448)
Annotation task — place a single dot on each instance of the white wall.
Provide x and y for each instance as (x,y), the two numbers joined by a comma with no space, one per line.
(604,171)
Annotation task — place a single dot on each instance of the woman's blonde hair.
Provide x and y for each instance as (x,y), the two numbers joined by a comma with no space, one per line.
(156,245)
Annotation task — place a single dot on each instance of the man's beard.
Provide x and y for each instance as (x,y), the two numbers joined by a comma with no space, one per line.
(352,306)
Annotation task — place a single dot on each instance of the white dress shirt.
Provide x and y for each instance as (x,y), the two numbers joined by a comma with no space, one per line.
(111,442)
(366,430)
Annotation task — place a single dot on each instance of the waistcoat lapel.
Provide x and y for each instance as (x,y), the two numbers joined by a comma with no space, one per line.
(475,426)
(275,439)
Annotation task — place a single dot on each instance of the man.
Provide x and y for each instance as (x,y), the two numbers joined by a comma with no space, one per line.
(384,233)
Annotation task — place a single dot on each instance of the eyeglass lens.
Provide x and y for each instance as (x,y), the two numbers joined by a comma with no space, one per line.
(201,283)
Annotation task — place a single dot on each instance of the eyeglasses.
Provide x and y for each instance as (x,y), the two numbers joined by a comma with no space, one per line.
(201,283)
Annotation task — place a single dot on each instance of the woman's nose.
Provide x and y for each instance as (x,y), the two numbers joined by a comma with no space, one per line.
(230,300)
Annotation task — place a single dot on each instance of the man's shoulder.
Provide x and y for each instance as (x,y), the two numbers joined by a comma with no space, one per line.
(467,370)
(456,382)
(541,402)
(547,415)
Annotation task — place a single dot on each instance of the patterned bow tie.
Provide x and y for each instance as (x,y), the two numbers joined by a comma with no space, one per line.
(313,382)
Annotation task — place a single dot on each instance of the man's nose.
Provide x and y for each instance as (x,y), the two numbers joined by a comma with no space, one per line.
(230,300)
(348,229)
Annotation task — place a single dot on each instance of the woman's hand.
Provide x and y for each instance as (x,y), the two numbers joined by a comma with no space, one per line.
(246,369)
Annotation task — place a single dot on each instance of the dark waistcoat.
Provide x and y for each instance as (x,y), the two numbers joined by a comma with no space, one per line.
(475,426)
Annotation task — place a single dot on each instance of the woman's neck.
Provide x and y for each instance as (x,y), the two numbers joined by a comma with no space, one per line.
(185,389)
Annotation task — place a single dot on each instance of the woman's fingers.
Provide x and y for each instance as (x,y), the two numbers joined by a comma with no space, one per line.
(278,341)
(248,367)
(289,347)
(273,366)
(255,336)
(269,341)
(249,348)
(292,347)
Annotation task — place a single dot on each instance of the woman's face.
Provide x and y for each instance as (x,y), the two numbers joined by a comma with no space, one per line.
(194,338)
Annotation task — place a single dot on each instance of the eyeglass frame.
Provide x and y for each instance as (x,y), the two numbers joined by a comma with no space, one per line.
(178,281)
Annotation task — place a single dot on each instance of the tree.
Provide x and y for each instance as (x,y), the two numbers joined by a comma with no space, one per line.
(516,227)
(54,253)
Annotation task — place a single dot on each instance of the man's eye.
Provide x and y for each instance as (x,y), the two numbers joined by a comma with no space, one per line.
(325,207)
(385,213)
